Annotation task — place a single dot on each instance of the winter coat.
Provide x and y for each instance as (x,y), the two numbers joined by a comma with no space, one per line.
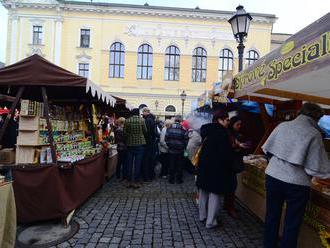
(135,131)
(119,139)
(176,138)
(215,173)
(194,142)
(151,129)
(162,144)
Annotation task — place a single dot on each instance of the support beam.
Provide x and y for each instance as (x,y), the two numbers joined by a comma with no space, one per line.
(91,124)
(11,113)
(49,125)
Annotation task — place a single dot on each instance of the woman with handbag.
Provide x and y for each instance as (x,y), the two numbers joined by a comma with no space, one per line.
(215,175)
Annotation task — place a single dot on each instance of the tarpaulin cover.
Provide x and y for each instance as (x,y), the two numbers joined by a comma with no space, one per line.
(35,71)
(49,192)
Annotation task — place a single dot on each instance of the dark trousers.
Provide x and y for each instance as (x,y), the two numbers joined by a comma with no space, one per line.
(163,158)
(175,166)
(122,170)
(296,198)
(148,172)
(134,160)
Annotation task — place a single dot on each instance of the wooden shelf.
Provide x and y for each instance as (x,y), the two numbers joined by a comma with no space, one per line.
(29,116)
(27,145)
(28,129)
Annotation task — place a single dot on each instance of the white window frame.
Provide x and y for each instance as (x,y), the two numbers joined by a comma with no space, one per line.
(41,24)
(85,61)
(90,37)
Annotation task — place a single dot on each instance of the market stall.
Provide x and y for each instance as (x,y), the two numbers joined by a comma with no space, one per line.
(58,163)
(298,70)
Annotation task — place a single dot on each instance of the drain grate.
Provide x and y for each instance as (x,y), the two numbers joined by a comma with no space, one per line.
(45,235)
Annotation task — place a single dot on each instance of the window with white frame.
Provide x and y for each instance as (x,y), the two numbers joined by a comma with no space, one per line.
(37,35)
(252,57)
(117,60)
(199,59)
(226,59)
(144,64)
(83,70)
(85,37)
(172,63)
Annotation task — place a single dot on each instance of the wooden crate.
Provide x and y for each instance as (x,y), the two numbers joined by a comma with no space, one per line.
(27,123)
(28,138)
(25,154)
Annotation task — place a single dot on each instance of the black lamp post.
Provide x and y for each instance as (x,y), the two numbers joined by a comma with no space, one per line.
(156,104)
(183,97)
(240,23)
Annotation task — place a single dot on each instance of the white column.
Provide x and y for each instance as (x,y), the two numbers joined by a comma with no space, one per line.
(58,41)
(20,56)
(13,39)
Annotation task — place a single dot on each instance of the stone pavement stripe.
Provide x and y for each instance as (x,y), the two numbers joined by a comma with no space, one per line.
(157,215)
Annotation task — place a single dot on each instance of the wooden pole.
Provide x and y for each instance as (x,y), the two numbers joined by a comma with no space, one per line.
(49,125)
(269,125)
(90,123)
(11,113)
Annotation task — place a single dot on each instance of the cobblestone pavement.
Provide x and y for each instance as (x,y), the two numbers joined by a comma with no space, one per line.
(157,215)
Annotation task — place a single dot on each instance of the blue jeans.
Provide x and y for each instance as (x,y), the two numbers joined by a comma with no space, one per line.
(134,160)
(296,198)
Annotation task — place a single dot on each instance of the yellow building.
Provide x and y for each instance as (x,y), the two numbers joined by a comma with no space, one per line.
(145,54)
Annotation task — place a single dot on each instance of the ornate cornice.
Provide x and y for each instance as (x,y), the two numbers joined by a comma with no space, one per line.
(126,9)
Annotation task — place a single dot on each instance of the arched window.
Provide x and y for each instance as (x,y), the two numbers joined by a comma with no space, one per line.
(172,63)
(144,65)
(226,59)
(170,108)
(199,65)
(117,60)
(252,56)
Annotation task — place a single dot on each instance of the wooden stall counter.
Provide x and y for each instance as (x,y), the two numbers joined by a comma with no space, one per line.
(53,191)
(315,231)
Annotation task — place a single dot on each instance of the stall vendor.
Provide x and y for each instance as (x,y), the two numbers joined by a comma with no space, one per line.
(297,154)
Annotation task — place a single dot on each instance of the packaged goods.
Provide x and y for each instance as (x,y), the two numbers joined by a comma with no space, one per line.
(7,156)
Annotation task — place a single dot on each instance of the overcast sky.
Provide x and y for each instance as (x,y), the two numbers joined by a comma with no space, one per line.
(292,15)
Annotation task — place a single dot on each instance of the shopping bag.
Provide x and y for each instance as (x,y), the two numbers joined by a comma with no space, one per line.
(196,156)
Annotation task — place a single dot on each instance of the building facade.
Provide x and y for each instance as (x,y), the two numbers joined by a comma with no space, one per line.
(145,54)
(278,39)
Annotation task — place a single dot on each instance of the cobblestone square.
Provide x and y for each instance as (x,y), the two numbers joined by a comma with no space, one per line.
(158,214)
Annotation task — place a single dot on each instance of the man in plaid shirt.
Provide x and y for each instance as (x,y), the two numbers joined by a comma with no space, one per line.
(135,133)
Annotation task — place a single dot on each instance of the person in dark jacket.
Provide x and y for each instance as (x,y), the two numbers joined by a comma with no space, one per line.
(150,148)
(239,146)
(215,174)
(176,139)
(121,171)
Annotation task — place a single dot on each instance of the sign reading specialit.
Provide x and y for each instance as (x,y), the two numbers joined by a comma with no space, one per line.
(304,52)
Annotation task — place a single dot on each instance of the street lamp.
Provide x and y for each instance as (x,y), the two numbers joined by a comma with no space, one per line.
(183,97)
(240,23)
(156,105)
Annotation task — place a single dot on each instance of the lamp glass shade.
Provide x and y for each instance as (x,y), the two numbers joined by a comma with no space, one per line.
(240,22)
(183,96)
